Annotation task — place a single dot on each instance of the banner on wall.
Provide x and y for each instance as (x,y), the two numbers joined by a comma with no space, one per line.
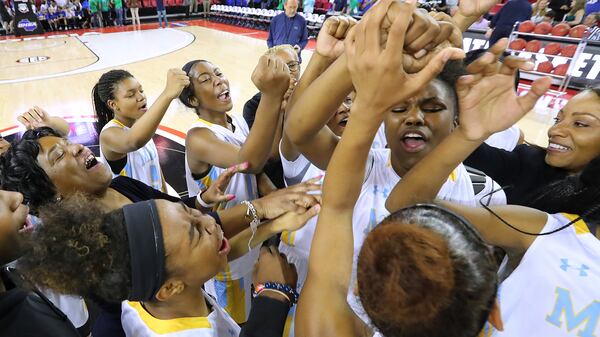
(586,69)
(26,21)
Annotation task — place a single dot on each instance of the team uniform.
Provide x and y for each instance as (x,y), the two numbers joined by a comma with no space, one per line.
(380,179)
(554,290)
(142,165)
(232,288)
(137,322)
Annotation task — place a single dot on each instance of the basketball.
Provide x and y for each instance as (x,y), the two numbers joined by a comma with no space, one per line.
(518,44)
(562,29)
(561,69)
(545,67)
(577,31)
(552,48)
(526,26)
(543,28)
(533,46)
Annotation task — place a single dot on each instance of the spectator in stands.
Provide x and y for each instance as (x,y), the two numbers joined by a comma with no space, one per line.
(96,14)
(118,5)
(539,11)
(308,7)
(549,17)
(503,22)
(193,6)
(592,6)
(575,15)
(162,13)
(135,12)
(289,28)
(560,8)
(6,18)
(206,8)
(105,8)
(339,6)
(591,20)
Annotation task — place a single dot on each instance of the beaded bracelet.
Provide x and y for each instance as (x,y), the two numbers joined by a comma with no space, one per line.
(285,289)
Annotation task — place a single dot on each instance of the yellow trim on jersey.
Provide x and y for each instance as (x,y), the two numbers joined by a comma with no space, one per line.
(288,237)
(453,176)
(580,226)
(118,123)
(236,299)
(165,326)
(205,121)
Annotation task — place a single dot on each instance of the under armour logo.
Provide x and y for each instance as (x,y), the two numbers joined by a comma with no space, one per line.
(582,270)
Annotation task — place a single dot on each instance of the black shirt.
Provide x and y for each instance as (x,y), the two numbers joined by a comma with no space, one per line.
(267,318)
(29,314)
(273,168)
(524,169)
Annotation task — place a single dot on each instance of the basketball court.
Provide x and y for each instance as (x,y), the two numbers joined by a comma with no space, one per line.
(57,72)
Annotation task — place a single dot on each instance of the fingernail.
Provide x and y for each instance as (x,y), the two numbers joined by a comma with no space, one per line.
(318,208)
(244,165)
(420,53)
(230,197)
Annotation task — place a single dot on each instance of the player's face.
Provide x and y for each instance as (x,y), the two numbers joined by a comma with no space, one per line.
(13,221)
(338,122)
(211,88)
(290,58)
(575,138)
(130,99)
(415,127)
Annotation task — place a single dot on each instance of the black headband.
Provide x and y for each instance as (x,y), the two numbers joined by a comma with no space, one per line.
(146,248)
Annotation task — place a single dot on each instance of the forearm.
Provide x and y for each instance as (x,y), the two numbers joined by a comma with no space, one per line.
(316,66)
(233,220)
(257,148)
(424,180)
(319,101)
(144,128)
(240,242)
(59,125)
(265,185)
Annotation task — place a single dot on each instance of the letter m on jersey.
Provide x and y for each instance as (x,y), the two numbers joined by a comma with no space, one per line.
(586,320)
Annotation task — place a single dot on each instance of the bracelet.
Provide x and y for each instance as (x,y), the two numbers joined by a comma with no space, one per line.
(251,213)
(286,296)
(202,203)
(284,289)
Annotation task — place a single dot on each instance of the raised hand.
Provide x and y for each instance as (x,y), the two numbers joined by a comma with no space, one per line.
(177,79)
(293,221)
(35,117)
(271,76)
(330,42)
(377,71)
(488,102)
(216,191)
(475,7)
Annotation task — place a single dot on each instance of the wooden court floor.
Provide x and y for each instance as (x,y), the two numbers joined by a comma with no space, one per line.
(62,83)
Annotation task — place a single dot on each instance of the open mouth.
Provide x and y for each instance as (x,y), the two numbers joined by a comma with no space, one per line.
(28,225)
(343,122)
(224,96)
(553,147)
(414,141)
(144,107)
(225,247)
(90,161)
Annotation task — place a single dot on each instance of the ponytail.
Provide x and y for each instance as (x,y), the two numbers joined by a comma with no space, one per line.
(102,92)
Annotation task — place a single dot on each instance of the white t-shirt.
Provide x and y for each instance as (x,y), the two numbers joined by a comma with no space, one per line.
(554,290)
(506,140)
(142,165)
(137,322)
(232,287)
(72,306)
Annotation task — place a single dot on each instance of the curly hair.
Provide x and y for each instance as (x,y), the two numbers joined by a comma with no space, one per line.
(419,276)
(22,173)
(80,250)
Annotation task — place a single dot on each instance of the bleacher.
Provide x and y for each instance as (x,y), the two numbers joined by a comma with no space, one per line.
(258,18)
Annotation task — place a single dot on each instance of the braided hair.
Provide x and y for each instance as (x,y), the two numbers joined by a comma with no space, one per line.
(188,92)
(104,91)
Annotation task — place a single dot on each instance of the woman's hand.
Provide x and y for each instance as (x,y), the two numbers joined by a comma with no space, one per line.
(377,71)
(271,76)
(330,42)
(488,102)
(177,80)
(216,191)
(295,198)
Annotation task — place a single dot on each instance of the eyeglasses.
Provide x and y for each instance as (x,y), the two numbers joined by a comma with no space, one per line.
(294,66)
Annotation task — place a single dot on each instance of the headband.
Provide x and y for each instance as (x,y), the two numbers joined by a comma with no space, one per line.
(146,248)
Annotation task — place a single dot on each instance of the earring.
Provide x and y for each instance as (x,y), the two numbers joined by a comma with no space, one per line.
(58,199)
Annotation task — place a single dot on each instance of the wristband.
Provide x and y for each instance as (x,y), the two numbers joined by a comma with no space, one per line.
(202,203)
(284,289)
(254,222)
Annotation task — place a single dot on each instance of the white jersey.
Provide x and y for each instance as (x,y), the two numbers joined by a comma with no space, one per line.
(72,306)
(380,142)
(142,165)
(232,287)
(506,140)
(370,208)
(137,322)
(554,290)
